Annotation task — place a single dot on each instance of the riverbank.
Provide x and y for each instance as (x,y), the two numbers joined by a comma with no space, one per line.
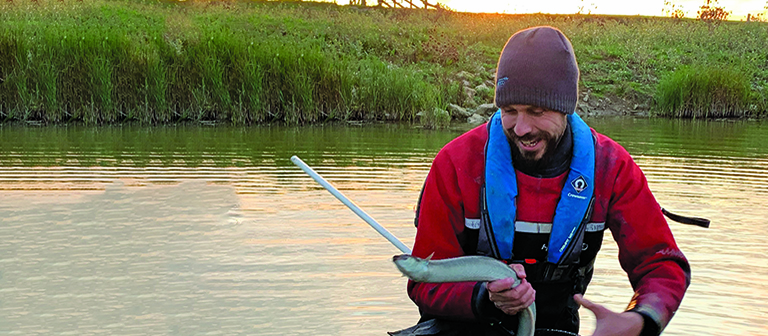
(287,62)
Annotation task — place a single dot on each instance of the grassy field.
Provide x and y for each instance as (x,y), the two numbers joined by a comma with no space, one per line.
(113,61)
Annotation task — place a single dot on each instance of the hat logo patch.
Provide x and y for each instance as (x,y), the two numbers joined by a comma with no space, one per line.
(501,82)
(579,184)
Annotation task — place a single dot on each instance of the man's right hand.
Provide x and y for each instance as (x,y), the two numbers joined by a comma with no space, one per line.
(511,300)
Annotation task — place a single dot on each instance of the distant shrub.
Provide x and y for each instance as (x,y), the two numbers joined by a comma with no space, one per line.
(703,91)
(673,10)
(710,12)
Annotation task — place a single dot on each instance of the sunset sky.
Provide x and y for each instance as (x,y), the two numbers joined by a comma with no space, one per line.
(739,8)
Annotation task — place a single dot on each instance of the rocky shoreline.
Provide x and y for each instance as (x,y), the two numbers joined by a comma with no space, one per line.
(479,87)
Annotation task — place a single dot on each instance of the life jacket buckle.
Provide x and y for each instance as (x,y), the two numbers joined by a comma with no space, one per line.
(555,272)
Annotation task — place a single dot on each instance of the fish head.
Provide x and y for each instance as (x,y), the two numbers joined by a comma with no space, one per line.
(414,268)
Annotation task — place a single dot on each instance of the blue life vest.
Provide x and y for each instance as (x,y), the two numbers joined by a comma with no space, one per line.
(500,192)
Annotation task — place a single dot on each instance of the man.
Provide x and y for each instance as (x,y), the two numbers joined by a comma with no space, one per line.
(536,188)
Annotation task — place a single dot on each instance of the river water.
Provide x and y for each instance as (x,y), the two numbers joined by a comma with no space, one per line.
(192,230)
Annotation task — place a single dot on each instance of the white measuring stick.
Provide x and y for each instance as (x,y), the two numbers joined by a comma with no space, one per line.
(351,205)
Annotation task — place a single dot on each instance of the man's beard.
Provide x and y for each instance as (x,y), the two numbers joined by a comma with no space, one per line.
(528,159)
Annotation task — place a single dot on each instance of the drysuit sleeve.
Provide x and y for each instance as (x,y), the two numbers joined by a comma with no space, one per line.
(658,271)
(440,221)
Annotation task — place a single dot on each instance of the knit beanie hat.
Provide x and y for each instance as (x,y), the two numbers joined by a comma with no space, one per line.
(538,67)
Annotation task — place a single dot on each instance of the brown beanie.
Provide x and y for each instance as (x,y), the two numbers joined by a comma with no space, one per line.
(538,67)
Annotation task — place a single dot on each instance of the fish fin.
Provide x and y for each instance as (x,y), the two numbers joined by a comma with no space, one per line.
(430,257)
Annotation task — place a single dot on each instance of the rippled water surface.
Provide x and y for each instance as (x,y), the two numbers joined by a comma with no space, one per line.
(212,231)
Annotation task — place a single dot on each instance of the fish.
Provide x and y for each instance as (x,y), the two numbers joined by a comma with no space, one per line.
(465,268)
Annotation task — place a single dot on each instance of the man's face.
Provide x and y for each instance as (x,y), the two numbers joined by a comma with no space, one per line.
(533,131)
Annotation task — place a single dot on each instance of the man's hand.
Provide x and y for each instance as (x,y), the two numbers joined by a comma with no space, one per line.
(610,323)
(511,300)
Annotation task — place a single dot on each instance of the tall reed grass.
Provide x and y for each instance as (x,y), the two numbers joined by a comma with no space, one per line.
(704,92)
(105,61)
(117,61)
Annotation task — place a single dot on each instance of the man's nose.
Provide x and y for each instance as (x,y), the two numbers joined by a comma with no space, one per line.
(523,125)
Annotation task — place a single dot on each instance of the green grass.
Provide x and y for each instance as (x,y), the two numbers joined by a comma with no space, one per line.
(107,61)
(703,92)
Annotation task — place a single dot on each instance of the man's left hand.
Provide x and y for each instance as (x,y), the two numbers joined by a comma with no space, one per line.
(610,323)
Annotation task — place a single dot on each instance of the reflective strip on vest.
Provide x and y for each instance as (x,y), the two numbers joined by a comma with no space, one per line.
(528,227)
(471,223)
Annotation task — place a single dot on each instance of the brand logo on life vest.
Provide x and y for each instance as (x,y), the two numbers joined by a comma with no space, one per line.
(579,184)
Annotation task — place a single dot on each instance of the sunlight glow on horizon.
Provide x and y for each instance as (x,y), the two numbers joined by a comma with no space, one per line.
(738,8)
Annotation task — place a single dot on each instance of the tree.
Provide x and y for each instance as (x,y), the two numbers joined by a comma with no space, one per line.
(760,17)
(673,10)
(583,9)
(710,13)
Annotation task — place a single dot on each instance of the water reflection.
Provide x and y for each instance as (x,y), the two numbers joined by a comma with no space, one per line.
(192,230)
